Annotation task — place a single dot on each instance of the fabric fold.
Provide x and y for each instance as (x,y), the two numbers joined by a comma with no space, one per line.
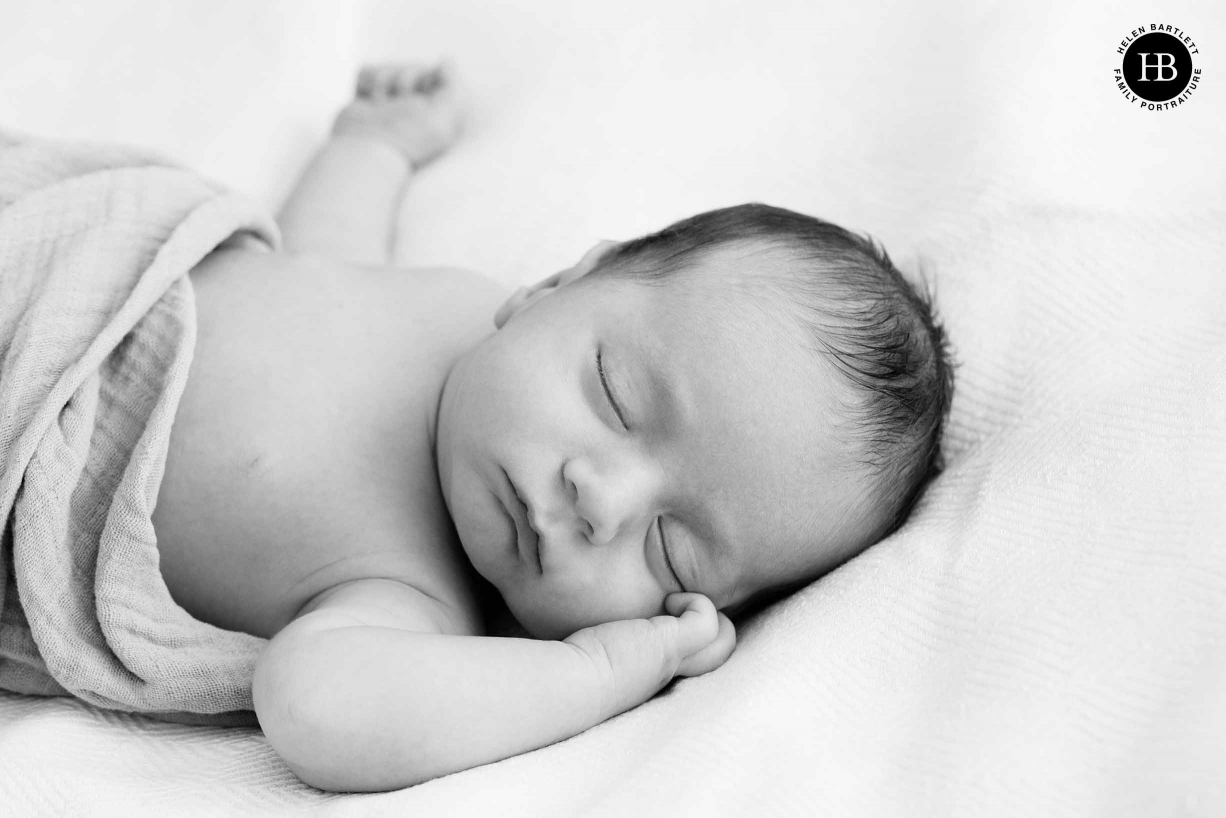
(97,331)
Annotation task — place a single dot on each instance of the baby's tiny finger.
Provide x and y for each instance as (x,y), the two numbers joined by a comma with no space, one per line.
(366,81)
(402,78)
(446,70)
(676,604)
(387,78)
(697,619)
(712,655)
(679,603)
(428,82)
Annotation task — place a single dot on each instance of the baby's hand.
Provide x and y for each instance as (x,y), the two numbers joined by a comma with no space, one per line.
(412,107)
(637,657)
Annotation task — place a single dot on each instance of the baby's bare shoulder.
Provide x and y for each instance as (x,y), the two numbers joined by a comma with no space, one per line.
(435,308)
(457,294)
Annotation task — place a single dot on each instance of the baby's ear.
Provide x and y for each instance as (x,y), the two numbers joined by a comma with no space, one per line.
(526,295)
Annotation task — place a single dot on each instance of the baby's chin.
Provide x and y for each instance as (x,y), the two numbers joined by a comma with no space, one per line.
(499,621)
(537,624)
(505,618)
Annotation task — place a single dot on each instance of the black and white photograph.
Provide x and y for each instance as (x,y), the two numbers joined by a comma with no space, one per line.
(714,408)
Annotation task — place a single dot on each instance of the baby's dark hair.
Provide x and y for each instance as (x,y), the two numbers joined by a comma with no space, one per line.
(876,328)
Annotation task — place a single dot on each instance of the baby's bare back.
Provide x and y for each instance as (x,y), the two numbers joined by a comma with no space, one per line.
(300,457)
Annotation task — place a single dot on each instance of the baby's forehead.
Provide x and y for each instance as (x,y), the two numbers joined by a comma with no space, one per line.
(721,284)
(725,327)
(750,267)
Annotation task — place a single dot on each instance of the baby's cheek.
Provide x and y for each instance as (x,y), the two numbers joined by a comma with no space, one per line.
(585,590)
(612,603)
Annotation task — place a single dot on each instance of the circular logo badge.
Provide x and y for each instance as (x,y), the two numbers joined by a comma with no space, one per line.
(1157,70)
(1157,67)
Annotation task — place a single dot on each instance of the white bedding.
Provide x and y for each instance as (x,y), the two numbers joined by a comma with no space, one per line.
(1048,633)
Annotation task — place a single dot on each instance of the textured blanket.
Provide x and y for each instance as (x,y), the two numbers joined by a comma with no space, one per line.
(1046,636)
(97,328)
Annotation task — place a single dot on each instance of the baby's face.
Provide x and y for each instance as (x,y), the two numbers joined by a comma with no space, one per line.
(615,442)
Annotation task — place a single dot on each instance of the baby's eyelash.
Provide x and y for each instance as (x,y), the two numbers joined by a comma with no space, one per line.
(668,560)
(607,392)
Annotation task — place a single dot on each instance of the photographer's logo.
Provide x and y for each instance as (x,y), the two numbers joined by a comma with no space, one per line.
(1157,72)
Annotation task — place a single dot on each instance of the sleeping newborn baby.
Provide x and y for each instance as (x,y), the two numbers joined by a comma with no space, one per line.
(679,428)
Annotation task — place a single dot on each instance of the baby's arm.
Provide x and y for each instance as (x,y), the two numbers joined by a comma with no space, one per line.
(365,692)
(345,204)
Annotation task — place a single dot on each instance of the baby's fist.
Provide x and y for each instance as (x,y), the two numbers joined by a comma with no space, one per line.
(637,657)
(412,107)
(705,637)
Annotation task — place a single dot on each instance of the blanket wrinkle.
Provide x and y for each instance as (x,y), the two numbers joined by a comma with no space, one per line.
(97,330)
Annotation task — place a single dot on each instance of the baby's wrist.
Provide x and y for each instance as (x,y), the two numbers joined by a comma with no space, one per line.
(367,140)
(630,659)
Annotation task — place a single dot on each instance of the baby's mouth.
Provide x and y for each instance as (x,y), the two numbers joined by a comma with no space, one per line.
(528,539)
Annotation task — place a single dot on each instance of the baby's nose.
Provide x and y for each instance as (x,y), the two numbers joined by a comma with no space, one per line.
(602,528)
(607,502)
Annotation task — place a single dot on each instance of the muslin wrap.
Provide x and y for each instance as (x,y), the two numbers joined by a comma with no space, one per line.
(97,330)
